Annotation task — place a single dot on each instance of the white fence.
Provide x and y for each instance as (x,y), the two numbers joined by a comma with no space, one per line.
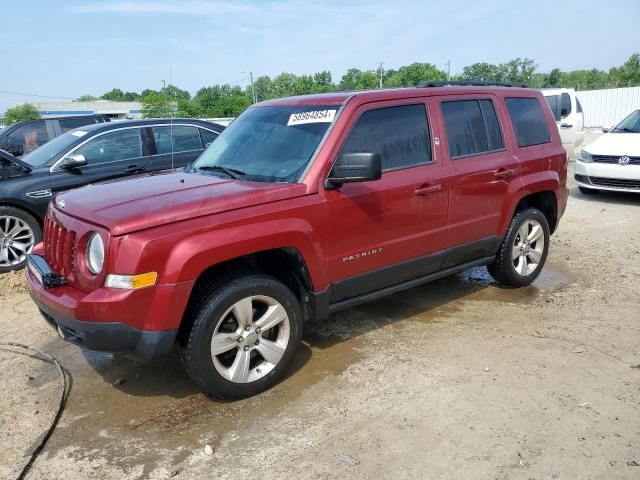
(604,108)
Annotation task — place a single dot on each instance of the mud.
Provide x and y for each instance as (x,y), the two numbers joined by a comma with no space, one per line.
(459,378)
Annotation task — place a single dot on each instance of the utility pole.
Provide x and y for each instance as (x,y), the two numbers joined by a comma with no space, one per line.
(448,70)
(253,92)
(381,72)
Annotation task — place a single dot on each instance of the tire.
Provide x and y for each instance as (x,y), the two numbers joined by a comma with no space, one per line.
(218,321)
(19,232)
(519,271)
(587,191)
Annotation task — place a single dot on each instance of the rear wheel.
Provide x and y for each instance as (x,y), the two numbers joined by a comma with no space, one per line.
(523,250)
(243,336)
(19,232)
(587,191)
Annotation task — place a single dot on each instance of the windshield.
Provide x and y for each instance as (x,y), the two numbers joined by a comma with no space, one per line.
(268,144)
(41,155)
(629,124)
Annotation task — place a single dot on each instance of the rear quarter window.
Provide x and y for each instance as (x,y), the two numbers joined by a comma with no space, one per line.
(529,123)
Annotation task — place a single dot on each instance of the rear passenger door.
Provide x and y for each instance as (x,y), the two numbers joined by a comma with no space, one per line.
(482,168)
(187,145)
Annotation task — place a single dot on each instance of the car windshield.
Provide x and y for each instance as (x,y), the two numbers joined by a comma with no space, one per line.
(268,144)
(42,155)
(629,124)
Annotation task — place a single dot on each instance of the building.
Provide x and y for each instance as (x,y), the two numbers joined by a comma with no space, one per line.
(115,110)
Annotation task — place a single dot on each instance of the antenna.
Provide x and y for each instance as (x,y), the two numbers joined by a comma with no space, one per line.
(171,117)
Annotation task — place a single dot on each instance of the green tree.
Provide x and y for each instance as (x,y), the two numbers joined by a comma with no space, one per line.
(517,70)
(175,93)
(156,105)
(412,75)
(628,75)
(86,98)
(263,88)
(484,72)
(26,111)
(356,79)
(323,82)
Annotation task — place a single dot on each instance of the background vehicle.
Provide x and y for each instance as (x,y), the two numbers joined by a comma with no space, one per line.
(568,114)
(612,162)
(90,154)
(23,137)
(303,207)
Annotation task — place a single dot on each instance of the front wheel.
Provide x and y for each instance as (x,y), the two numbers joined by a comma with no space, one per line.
(19,232)
(243,336)
(523,250)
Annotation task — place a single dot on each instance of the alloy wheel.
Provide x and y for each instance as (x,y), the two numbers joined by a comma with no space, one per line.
(528,248)
(250,339)
(16,240)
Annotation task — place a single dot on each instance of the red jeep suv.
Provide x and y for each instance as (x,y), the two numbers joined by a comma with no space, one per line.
(303,206)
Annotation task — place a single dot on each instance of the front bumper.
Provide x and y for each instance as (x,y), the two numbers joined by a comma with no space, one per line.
(606,176)
(86,320)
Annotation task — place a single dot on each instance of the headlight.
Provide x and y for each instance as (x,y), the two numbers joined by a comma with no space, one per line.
(95,253)
(585,157)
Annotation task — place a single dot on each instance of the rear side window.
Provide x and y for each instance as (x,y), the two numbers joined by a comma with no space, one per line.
(67,124)
(399,134)
(472,127)
(528,121)
(554,105)
(207,136)
(565,105)
(184,138)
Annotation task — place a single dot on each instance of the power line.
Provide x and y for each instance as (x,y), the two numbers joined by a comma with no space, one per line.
(34,95)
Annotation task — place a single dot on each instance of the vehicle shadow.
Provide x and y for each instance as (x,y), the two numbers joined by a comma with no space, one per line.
(605,196)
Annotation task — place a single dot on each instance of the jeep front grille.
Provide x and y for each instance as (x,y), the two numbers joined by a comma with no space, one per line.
(59,248)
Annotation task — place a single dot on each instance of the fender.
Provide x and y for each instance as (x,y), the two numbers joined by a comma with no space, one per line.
(190,257)
(526,185)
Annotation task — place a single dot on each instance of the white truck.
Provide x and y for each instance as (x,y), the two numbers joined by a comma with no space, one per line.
(567,111)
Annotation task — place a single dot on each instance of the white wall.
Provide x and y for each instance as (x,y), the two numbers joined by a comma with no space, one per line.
(605,108)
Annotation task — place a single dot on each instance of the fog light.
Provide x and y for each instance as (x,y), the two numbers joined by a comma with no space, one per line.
(131,282)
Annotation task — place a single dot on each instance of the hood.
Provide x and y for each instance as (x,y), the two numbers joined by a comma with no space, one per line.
(135,204)
(616,144)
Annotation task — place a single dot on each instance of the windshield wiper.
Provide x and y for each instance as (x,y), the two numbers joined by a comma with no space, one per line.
(231,172)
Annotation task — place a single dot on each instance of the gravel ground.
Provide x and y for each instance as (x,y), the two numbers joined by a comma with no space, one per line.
(456,379)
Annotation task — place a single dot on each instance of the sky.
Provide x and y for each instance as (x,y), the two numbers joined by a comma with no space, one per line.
(70,48)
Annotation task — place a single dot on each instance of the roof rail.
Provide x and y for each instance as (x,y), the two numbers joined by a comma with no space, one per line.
(469,83)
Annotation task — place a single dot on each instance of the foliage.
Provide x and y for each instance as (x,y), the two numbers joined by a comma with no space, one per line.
(229,101)
(26,111)
(86,98)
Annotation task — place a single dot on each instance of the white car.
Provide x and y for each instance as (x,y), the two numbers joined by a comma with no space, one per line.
(612,162)
(567,111)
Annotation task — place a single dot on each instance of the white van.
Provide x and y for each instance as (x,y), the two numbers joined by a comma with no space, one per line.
(567,111)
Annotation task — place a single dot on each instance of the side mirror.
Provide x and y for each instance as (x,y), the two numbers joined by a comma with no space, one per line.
(73,161)
(606,129)
(355,167)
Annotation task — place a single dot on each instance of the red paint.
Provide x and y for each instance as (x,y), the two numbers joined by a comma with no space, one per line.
(181,224)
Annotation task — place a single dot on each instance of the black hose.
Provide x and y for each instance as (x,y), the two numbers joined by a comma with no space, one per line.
(64,394)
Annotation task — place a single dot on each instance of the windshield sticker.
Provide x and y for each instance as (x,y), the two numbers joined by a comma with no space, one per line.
(79,133)
(314,116)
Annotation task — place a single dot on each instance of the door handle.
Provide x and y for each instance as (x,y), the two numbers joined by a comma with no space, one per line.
(427,189)
(504,173)
(565,125)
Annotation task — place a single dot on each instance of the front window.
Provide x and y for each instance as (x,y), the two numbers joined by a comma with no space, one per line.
(631,124)
(52,149)
(268,144)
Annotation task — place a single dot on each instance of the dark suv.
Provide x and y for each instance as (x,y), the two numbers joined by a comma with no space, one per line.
(303,207)
(86,155)
(23,137)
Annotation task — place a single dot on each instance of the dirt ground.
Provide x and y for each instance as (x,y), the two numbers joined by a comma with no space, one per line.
(456,379)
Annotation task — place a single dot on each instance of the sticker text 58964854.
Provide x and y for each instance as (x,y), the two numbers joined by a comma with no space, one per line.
(313,116)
